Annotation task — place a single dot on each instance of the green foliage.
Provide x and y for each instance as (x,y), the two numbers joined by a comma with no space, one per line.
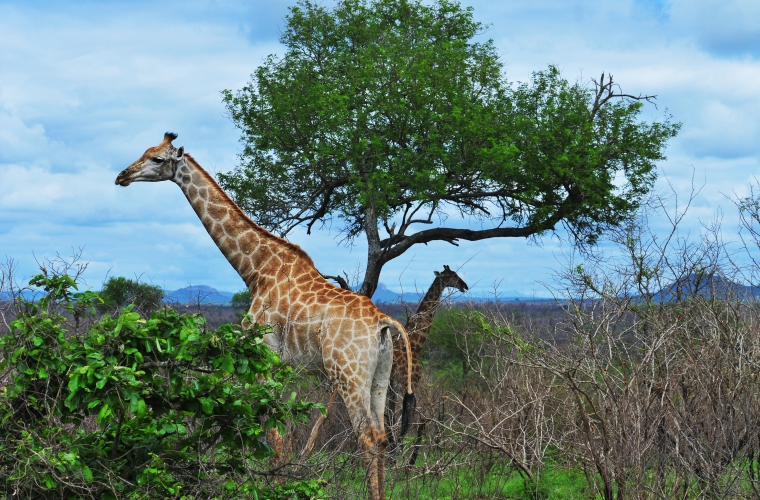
(382,113)
(456,333)
(119,292)
(241,300)
(138,408)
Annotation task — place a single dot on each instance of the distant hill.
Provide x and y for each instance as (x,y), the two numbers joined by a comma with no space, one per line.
(198,293)
(707,286)
(210,295)
(385,294)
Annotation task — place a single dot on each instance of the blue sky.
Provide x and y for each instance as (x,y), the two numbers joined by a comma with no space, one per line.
(86,87)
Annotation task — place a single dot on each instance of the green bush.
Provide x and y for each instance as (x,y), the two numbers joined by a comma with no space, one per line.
(241,300)
(157,407)
(454,336)
(119,292)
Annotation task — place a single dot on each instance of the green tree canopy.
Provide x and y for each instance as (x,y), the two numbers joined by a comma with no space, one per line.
(119,292)
(383,114)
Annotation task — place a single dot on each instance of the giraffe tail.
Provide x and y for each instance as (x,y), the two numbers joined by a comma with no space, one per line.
(410,401)
(407,412)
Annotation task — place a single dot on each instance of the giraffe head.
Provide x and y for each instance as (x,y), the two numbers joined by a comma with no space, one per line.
(158,163)
(451,279)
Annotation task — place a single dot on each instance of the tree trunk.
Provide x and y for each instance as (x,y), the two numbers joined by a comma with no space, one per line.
(374,253)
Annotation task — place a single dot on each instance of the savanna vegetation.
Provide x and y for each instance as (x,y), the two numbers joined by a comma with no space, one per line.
(640,380)
(120,405)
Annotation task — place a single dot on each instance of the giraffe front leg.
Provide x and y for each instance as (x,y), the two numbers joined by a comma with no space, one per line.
(276,442)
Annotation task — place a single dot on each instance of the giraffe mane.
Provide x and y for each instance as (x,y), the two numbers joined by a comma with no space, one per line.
(280,241)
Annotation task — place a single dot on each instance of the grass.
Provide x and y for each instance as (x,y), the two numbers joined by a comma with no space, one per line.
(459,482)
(500,483)
(468,482)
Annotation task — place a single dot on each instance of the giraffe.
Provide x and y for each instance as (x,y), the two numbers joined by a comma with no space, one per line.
(316,326)
(417,328)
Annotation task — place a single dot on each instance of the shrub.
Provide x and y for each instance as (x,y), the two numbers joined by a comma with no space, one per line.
(157,407)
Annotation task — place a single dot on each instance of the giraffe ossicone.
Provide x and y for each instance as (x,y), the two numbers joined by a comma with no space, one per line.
(316,325)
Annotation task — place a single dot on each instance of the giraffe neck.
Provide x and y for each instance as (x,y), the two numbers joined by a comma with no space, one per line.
(418,326)
(245,244)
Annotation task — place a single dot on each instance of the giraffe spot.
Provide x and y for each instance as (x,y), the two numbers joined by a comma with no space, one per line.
(352,352)
(217,212)
(235,260)
(236,225)
(186,179)
(248,245)
(185,170)
(270,268)
(216,231)
(192,192)
(245,267)
(228,246)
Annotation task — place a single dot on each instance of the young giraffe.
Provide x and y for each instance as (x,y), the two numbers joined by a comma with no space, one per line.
(316,325)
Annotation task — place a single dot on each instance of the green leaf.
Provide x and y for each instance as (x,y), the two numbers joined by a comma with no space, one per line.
(105,412)
(141,408)
(207,404)
(49,482)
(87,474)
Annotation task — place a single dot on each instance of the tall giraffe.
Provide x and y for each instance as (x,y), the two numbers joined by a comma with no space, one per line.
(316,325)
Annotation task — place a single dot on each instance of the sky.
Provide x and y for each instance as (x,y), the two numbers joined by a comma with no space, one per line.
(86,87)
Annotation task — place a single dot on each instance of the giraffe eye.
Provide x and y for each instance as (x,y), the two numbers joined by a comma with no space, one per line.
(158,159)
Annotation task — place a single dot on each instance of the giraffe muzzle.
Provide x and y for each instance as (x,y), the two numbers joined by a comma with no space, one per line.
(123,179)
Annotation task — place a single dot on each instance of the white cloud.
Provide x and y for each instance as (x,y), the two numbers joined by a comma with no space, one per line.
(85,88)
(723,27)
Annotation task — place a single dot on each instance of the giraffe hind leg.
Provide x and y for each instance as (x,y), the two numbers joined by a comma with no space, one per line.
(379,391)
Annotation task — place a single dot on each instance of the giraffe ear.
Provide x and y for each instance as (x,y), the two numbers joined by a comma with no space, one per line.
(180,152)
(436,273)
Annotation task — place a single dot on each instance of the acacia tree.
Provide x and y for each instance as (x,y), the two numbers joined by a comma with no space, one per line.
(386,115)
